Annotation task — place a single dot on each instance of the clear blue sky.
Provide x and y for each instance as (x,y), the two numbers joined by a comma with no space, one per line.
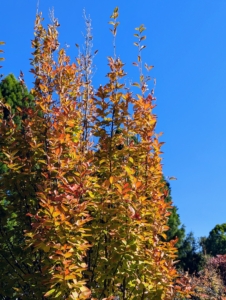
(186,42)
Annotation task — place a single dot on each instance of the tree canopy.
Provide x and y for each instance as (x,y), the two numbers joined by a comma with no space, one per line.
(216,241)
(81,217)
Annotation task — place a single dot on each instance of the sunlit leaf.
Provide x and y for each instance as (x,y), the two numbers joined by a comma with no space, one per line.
(50,292)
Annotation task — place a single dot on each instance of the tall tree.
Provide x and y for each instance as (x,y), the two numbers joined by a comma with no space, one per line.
(93,217)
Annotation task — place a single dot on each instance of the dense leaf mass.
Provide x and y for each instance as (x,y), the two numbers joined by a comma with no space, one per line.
(88,205)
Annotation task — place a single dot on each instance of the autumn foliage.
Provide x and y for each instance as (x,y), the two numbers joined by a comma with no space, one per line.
(209,283)
(86,201)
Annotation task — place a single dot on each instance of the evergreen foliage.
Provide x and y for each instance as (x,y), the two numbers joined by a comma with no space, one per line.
(215,243)
(190,256)
(174,223)
(14,93)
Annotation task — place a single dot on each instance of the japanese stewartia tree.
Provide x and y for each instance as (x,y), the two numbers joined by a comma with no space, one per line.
(90,207)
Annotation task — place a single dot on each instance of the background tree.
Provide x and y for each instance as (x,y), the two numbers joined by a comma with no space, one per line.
(215,243)
(190,256)
(17,193)
(14,93)
(175,229)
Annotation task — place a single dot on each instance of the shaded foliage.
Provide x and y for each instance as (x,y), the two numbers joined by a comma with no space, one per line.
(215,243)
(176,230)
(14,95)
(190,256)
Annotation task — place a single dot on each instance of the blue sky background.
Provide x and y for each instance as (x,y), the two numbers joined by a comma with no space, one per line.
(186,42)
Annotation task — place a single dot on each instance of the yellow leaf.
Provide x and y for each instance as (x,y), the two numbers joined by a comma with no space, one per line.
(74,295)
(91,194)
(56,214)
(69,277)
(84,289)
(136,84)
(119,187)
(83,265)
(164,236)
(71,123)
(68,254)
(131,159)
(129,171)
(43,88)
(51,209)
(58,276)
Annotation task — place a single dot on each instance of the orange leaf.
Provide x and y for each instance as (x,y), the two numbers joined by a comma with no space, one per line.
(58,151)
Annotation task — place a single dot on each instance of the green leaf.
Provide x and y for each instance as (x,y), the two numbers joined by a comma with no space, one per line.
(58,294)
(50,292)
